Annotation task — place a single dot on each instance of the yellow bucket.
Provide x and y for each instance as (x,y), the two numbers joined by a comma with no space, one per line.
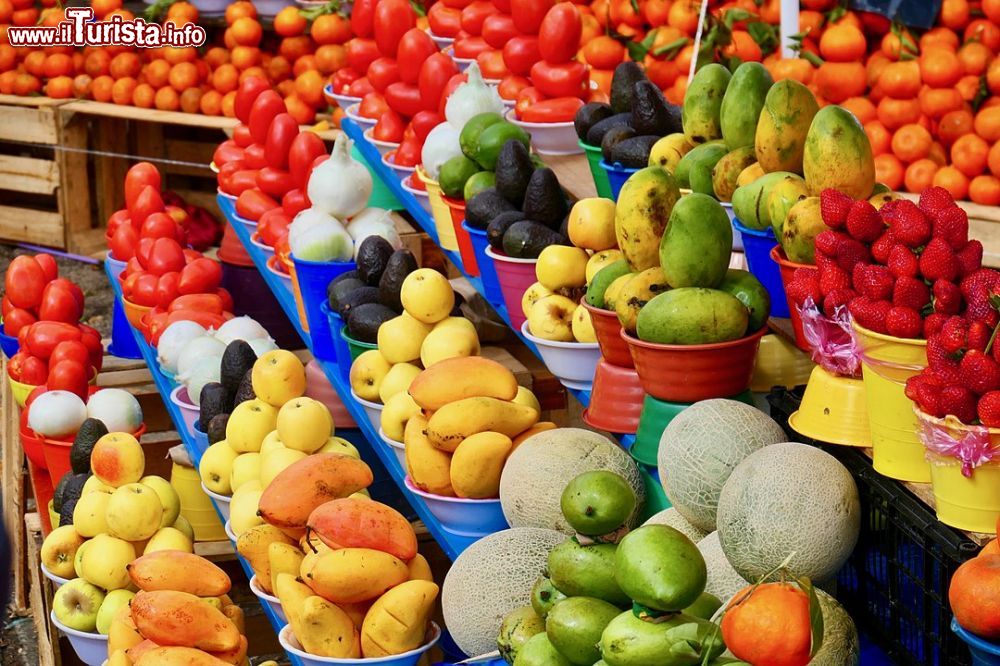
(965,502)
(440,212)
(886,363)
(195,504)
(779,363)
(19,391)
(833,410)
(53,515)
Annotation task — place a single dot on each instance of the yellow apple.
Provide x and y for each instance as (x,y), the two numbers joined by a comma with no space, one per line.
(451,341)
(246,467)
(117,459)
(527,398)
(249,424)
(399,339)
(94,485)
(367,373)
(89,514)
(77,604)
(562,267)
(304,424)
(134,512)
(216,467)
(551,318)
(112,602)
(427,295)
(398,378)
(59,549)
(340,445)
(592,224)
(531,296)
(271,442)
(274,462)
(169,538)
(400,409)
(168,498)
(278,376)
(104,560)
(184,526)
(583,327)
(601,259)
(78,558)
(243,510)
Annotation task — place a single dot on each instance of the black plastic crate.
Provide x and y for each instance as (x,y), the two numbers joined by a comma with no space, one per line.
(895,584)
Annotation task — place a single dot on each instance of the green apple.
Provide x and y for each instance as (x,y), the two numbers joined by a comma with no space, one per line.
(304,424)
(169,538)
(169,499)
(399,378)
(216,467)
(104,562)
(274,462)
(583,327)
(399,339)
(59,550)
(450,341)
(246,467)
(551,318)
(561,267)
(184,525)
(134,512)
(249,424)
(90,514)
(368,371)
(77,604)
(114,600)
(340,445)
(427,296)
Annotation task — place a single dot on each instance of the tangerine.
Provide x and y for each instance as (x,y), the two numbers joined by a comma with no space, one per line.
(920,175)
(7,80)
(982,30)
(191,99)
(684,15)
(975,57)
(59,87)
(246,31)
(993,160)
(911,142)
(101,88)
(167,99)
(894,46)
(953,180)
(331,58)
(183,75)
(889,170)
(157,73)
(954,14)
(125,65)
(987,124)
(743,46)
(842,43)
(175,54)
(936,102)
(985,190)
(769,625)
(229,104)
(26,84)
(143,96)
(225,78)
(862,109)
(216,56)
(34,63)
(58,64)
(330,29)
(299,109)
(974,596)
(104,7)
(244,57)
(992,10)
(879,137)
(894,113)
(182,12)
(968,87)
(953,125)
(309,87)
(239,9)
(939,36)
(121,91)
(969,155)
(993,76)
(838,81)
(211,103)
(940,68)
(289,22)
(900,79)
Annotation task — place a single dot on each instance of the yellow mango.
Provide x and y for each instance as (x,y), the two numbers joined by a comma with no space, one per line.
(460,419)
(420,569)
(327,631)
(477,463)
(350,575)
(292,594)
(428,467)
(397,621)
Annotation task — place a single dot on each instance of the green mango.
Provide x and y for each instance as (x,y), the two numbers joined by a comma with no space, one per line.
(669,150)
(699,159)
(692,316)
(784,194)
(658,567)
(751,293)
(641,214)
(586,571)
(602,280)
(703,103)
(750,201)
(636,293)
(784,121)
(517,627)
(539,651)
(742,103)
(705,606)
(680,640)
(574,627)
(598,502)
(838,154)
(697,243)
(728,170)
(544,595)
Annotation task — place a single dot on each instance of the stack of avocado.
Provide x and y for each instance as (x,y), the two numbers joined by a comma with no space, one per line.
(636,118)
(481,139)
(369,295)
(525,211)
(611,597)
(69,488)
(219,399)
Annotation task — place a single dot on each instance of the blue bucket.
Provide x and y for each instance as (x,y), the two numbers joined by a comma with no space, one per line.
(487,270)
(617,175)
(313,278)
(8,344)
(983,652)
(123,343)
(341,352)
(757,246)
(200,441)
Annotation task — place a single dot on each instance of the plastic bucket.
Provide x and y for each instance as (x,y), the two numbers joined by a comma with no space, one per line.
(419,193)
(833,410)
(313,277)
(487,269)
(757,245)
(373,410)
(617,175)
(190,412)
(608,330)
(231,250)
(33,445)
(341,349)
(252,297)
(615,400)
(787,270)
(984,653)
(134,313)
(318,387)
(572,363)
(382,196)
(780,363)
(90,648)
(271,600)
(221,502)
(457,209)
(598,172)
(440,213)
(200,440)
(515,276)
(463,517)
(123,342)
(43,489)
(195,504)
(355,348)
(8,344)
(656,498)
(886,363)
(19,390)
(397,448)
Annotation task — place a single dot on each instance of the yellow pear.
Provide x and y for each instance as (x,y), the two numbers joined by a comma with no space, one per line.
(397,379)
(278,376)
(427,296)
(249,424)
(304,424)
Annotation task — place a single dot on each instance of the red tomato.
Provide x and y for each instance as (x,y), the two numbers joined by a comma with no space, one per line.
(491,64)
(254,156)
(498,29)
(529,14)
(201,302)
(225,175)
(555,110)
(305,148)
(6,307)
(253,203)
(48,264)
(227,151)
(17,319)
(70,350)
(68,376)
(34,371)
(372,106)
(456,4)
(392,19)
(511,86)
(382,73)
(59,304)
(142,251)
(43,336)
(424,122)
(361,87)
(118,219)
(201,276)
(166,288)
(361,53)
(404,99)
(24,282)
(526,98)
(502,5)
(470,47)
(14,366)
(272,225)
(559,34)
(165,256)
(241,181)
(133,266)
(159,225)
(71,287)
(568,80)
(408,153)
(363,17)
(435,73)
(144,289)
(294,201)
(474,14)
(275,182)
(246,95)
(342,79)
(241,137)
(388,128)
(415,48)
(265,109)
(443,20)
(520,54)
(227,301)
(454,82)
(191,254)
(147,202)
(138,177)
(92,339)
(282,132)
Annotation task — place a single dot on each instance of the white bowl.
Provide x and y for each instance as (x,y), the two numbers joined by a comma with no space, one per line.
(271,266)
(229,532)
(272,601)
(210,7)
(550,138)
(372,409)
(249,224)
(411,658)
(343,101)
(352,113)
(190,412)
(442,42)
(422,197)
(463,517)
(383,146)
(573,363)
(57,582)
(221,504)
(91,649)
(461,63)
(398,448)
(402,172)
(265,249)
(270,8)
(227,195)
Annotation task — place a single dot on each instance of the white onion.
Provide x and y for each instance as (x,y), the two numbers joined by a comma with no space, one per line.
(240,328)
(305,220)
(173,340)
(196,379)
(117,409)
(56,413)
(377,223)
(441,144)
(205,349)
(340,186)
(261,346)
(325,242)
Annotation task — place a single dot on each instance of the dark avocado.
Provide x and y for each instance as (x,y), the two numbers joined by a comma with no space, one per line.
(65,488)
(66,512)
(217,428)
(623,83)
(527,239)
(595,135)
(544,200)
(373,255)
(485,206)
(90,431)
(514,169)
(401,264)
(236,360)
(70,496)
(651,113)
(589,115)
(363,321)
(614,136)
(633,153)
(338,292)
(456,310)
(349,275)
(499,226)
(357,297)
(564,227)
(215,399)
(245,391)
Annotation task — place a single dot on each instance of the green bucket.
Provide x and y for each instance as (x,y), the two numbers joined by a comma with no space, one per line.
(656,499)
(356,347)
(600,175)
(382,196)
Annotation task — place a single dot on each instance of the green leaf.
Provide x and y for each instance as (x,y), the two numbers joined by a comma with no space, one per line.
(418,8)
(635,6)
(157,9)
(765,35)
(836,14)
(734,16)
(815,613)
(981,95)
(671,49)
(813,59)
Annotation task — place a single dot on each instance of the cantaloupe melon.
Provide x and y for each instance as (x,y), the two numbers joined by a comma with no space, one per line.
(701,447)
(489,579)
(538,470)
(789,498)
(673,518)
(840,637)
(723,581)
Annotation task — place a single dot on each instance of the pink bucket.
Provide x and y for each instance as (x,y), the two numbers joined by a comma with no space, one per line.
(318,387)
(190,412)
(515,276)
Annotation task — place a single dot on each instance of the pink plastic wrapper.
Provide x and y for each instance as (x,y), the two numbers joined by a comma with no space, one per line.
(831,340)
(972,448)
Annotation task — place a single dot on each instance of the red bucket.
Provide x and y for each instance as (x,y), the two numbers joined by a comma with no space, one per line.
(457,209)
(32,444)
(57,453)
(515,276)
(43,489)
(787,269)
(608,330)
(615,400)
(689,373)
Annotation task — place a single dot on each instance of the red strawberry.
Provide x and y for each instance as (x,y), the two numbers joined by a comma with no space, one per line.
(903,322)
(935,198)
(978,308)
(970,258)
(837,299)
(988,409)
(827,242)
(978,336)
(947,297)
(870,313)
(882,246)
(850,252)
(863,222)
(980,373)
(954,335)
(834,206)
(804,285)
(909,226)
(939,358)
(902,261)
(984,277)
(873,281)
(909,292)
(938,261)
(923,389)
(952,224)
(832,278)
(933,323)
(959,402)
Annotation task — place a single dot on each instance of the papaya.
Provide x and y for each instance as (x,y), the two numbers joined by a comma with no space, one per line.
(784,194)
(697,164)
(727,171)
(798,235)
(304,485)
(838,154)
(789,108)
(750,201)
(742,104)
(357,523)
(691,316)
(180,571)
(668,151)
(644,206)
(350,575)
(178,618)
(477,463)
(427,466)
(636,293)
(397,621)
(703,103)
(697,243)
